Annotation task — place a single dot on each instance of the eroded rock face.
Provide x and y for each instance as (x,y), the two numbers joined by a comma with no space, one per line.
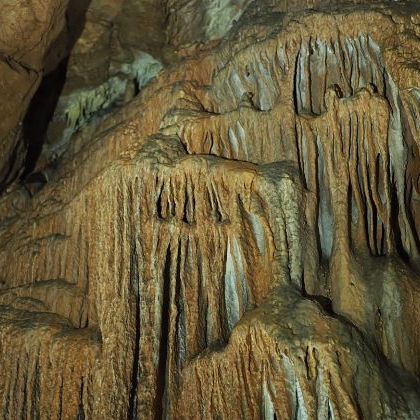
(239,238)
(27,30)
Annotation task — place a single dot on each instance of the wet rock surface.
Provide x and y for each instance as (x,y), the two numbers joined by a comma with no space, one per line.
(221,220)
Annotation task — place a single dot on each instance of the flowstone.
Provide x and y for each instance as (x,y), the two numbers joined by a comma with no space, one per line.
(238,240)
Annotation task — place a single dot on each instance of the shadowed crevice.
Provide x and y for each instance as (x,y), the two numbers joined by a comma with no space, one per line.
(44,102)
(160,400)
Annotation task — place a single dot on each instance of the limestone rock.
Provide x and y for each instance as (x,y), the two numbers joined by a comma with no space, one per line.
(27,30)
(240,238)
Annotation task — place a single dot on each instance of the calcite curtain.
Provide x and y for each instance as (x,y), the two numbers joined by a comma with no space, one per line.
(209,210)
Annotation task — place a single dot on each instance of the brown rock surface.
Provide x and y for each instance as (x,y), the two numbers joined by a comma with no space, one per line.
(240,238)
(27,30)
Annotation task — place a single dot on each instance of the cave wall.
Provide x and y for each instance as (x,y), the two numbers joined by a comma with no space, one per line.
(236,238)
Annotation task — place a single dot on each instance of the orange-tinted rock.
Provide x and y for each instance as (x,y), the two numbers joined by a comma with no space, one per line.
(27,30)
(240,240)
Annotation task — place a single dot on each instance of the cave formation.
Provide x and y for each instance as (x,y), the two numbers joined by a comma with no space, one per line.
(210,209)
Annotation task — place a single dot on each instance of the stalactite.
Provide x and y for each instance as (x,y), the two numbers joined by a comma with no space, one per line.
(241,240)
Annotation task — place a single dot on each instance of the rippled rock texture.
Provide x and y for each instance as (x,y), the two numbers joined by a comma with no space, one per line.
(224,217)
